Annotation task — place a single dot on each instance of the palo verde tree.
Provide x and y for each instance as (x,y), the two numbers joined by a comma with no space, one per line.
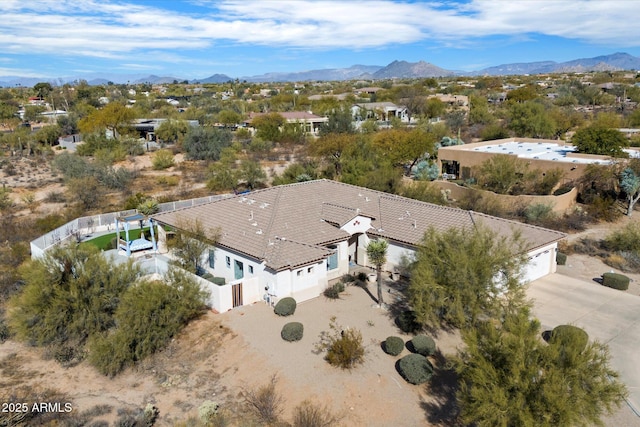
(114,117)
(377,254)
(190,243)
(510,377)
(70,294)
(461,275)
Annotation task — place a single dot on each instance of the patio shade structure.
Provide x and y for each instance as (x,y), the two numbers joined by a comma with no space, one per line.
(139,244)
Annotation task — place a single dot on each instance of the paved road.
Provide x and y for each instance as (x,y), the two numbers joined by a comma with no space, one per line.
(608,315)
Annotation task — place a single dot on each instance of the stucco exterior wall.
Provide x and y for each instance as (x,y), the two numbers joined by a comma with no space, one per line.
(560,203)
(468,158)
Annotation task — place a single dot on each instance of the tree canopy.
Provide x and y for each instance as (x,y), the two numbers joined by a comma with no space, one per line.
(510,377)
(460,275)
(597,139)
(114,117)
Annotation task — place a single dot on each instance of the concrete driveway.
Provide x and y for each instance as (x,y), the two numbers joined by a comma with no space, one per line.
(609,316)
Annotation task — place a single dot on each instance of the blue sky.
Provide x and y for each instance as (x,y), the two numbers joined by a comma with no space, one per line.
(197,38)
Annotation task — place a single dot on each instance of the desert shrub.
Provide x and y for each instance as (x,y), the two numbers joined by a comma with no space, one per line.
(4,329)
(68,355)
(561,258)
(615,281)
(162,159)
(625,239)
(589,247)
(265,402)
(343,346)
(55,197)
(423,345)
(333,292)
(362,276)
(569,335)
(393,345)
(407,323)
(538,213)
(148,316)
(137,417)
(309,414)
(631,261)
(347,278)
(415,369)
(44,313)
(171,181)
(616,260)
(603,208)
(211,415)
(292,331)
(285,307)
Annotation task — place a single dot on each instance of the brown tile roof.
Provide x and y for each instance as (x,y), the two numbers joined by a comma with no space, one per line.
(290,225)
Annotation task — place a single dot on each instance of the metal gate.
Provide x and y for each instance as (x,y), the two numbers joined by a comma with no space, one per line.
(236,295)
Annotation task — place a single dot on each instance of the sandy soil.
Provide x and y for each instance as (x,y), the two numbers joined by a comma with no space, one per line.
(220,355)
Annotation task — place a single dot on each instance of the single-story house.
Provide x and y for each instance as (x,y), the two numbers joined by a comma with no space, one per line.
(147,128)
(383,111)
(310,121)
(458,161)
(291,240)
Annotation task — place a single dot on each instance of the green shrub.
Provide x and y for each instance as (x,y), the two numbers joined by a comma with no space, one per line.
(625,239)
(292,331)
(423,345)
(393,345)
(333,292)
(561,259)
(362,276)
(285,307)
(407,323)
(615,281)
(309,414)
(570,336)
(343,346)
(347,278)
(538,212)
(415,369)
(162,159)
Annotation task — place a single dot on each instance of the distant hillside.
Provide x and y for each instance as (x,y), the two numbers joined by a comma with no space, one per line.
(615,62)
(216,78)
(514,69)
(352,73)
(404,69)
(396,69)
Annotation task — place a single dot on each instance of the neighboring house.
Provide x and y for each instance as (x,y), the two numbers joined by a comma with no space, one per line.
(147,128)
(291,240)
(452,100)
(382,111)
(543,154)
(310,121)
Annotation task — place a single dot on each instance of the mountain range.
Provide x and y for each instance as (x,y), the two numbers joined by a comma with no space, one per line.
(397,69)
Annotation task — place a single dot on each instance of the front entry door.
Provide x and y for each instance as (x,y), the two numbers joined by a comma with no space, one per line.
(236,294)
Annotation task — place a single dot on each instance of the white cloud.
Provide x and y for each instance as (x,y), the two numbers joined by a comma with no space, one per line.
(109,30)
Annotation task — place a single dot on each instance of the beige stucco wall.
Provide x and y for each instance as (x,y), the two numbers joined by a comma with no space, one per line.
(560,203)
(468,158)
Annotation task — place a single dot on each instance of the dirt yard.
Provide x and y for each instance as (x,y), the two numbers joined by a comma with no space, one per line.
(219,356)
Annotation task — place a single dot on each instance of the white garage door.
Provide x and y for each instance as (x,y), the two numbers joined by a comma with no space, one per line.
(539,265)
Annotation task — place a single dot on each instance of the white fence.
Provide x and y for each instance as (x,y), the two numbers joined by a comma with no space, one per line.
(88,225)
